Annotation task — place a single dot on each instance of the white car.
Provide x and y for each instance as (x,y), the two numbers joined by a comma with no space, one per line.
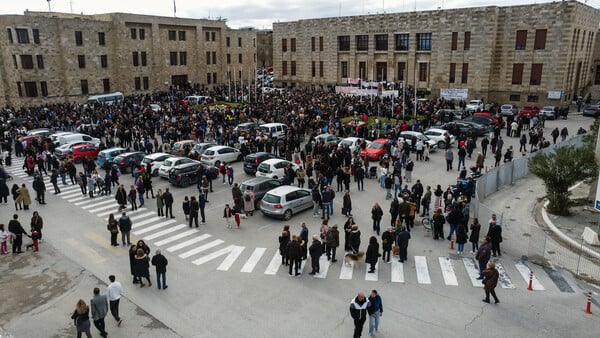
(169,163)
(155,160)
(351,142)
(409,135)
(474,105)
(274,168)
(221,154)
(439,136)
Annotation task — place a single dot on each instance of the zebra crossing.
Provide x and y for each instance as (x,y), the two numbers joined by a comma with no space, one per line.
(203,249)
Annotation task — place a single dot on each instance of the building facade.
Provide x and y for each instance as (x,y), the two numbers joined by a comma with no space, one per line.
(59,57)
(518,54)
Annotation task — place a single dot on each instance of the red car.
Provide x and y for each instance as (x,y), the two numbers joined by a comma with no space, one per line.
(84,150)
(529,110)
(376,150)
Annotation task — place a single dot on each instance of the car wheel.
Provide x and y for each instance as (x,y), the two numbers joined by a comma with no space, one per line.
(287,215)
(441,145)
(185,182)
(240,158)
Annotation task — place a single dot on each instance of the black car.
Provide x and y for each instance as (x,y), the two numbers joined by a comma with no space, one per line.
(186,174)
(260,186)
(245,128)
(252,161)
(125,161)
(464,127)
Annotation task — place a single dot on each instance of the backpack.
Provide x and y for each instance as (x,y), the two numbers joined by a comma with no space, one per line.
(330,237)
(247,198)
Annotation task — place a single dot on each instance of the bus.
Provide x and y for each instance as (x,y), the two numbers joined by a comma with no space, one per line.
(107,99)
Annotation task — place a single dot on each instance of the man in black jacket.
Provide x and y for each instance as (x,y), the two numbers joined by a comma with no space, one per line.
(160,262)
(316,250)
(358,311)
(295,255)
(168,199)
(14,226)
(40,189)
(125,227)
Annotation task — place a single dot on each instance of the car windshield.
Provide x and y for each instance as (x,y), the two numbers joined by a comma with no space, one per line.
(348,142)
(376,145)
(269,198)
(263,168)
(168,163)
(506,107)
(244,187)
(209,152)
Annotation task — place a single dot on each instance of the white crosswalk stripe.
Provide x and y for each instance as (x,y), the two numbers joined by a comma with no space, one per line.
(201,248)
(397,271)
(274,264)
(372,276)
(148,221)
(472,271)
(164,232)
(253,260)
(188,242)
(175,237)
(524,272)
(323,267)
(422,271)
(346,270)
(448,271)
(154,227)
(503,279)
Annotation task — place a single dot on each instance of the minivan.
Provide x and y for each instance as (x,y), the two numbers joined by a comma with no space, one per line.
(274,130)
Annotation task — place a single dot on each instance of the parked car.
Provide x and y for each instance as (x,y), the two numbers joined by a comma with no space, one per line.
(43,132)
(178,148)
(244,128)
(529,110)
(483,120)
(163,170)
(155,160)
(509,110)
(409,135)
(328,139)
(251,161)
(549,112)
(376,150)
(459,127)
(199,148)
(274,130)
(186,174)
(286,201)
(107,156)
(592,109)
(439,136)
(221,154)
(61,152)
(124,160)
(449,115)
(274,168)
(259,187)
(474,105)
(352,143)
(81,151)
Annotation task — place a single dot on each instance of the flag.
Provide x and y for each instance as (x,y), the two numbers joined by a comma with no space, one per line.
(174,9)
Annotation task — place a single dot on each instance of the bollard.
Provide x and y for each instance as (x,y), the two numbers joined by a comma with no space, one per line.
(452,243)
(530,288)
(588,308)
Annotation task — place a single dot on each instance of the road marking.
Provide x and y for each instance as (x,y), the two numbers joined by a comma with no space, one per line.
(372,277)
(128,211)
(397,271)
(230,259)
(253,260)
(232,249)
(188,242)
(472,271)
(201,248)
(524,271)
(144,222)
(154,227)
(274,264)
(323,267)
(136,217)
(422,271)
(73,194)
(448,271)
(268,225)
(76,199)
(503,278)
(95,203)
(176,237)
(346,270)
(93,211)
(164,232)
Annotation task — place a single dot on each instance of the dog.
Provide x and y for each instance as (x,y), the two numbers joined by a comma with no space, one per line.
(351,258)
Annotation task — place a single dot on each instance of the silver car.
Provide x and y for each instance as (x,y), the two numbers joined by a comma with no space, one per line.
(285,201)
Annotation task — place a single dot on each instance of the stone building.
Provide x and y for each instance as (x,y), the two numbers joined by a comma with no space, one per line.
(518,54)
(59,57)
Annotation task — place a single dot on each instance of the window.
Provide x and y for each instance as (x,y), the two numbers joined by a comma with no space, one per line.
(206,36)
(239,42)
(26,61)
(320,43)
(78,38)
(172,35)
(81,61)
(313,45)
(10,37)
(227,42)
(313,68)
(467,42)
(381,42)
(465,73)
(362,42)
(84,87)
(144,59)
(321,68)
(208,78)
(452,77)
(253,42)
(142,34)
(215,78)
(15,62)
(284,45)
(402,41)
(20,89)
(362,69)
(44,88)
(173,58)
(540,39)
(214,57)
(293,44)
(240,58)
(401,70)
(30,89)
(228,59)
(344,65)
(517,74)
(146,82)
(533,98)
(40,61)
(135,56)
(293,68)
(284,68)
(137,83)
(183,58)
(521,42)
(36,36)
(423,72)
(106,85)
(423,41)
(208,58)
(22,35)
(103,61)
(536,74)
(344,43)
(514,97)
(181,35)
(101,39)
(213,37)
(133,33)
(454,43)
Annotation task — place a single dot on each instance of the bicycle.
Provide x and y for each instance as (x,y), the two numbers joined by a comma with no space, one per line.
(427,223)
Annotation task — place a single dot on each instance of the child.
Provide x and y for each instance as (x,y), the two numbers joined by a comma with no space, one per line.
(229,172)
(237,219)
(227,213)
(35,237)
(3,240)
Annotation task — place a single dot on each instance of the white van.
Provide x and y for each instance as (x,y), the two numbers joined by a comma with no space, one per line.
(193,100)
(274,130)
(64,139)
(105,99)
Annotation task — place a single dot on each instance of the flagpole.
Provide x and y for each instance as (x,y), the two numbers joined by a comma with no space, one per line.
(235,84)
(229,83)
(174,9)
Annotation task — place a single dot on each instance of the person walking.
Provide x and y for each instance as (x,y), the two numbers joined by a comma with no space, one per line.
(358,312)
(387,241)
(375,311)
(461,237)
(99,306)
(304,242)
(81,319)
(194,207)
(132,195)
(227,214)
(355,239)
(114,290)
(483,255)
(125,228)
(23,197)
(474,237)
(333,242)
(347,232)
(160,204)
(185,206)
(54,181)
(113,228)
(449,156)
(40,189)
(402,239)
(295,256)
(14,227)
(490,280)
(284,239)
(347,204)
(201,205)
(316,251)
(160,262)
(372,255)
(376,215)
(495,235)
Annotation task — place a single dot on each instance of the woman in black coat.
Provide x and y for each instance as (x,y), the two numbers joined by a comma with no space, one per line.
(376,214)
(348,232)
(355,239)
(372,255)
(495,234)
(461,237)
(387,241)
(132,253)
(141,267)
(474,238)
(121,197)
(347,205)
